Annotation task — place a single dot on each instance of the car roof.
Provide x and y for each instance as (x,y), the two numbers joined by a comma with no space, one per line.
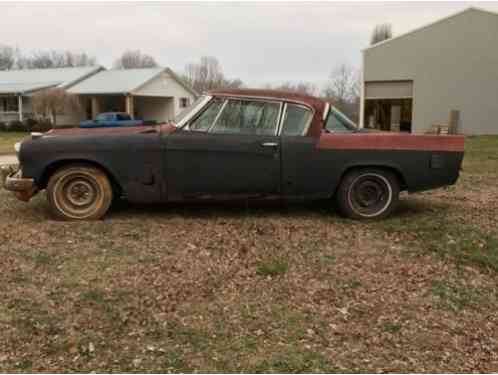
(309,100)
(316,104)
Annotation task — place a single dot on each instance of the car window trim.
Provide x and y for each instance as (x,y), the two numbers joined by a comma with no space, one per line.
(196,112)
(225,101)
(306,128)
(248,99)
(199,113)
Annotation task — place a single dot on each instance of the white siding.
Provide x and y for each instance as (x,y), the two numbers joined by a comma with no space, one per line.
(154,108)
(165,86)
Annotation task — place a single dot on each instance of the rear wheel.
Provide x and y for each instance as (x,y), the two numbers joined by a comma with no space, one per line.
(79,192)
(368,193)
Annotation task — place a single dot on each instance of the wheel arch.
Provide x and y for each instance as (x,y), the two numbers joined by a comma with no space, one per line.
(387,167)
(55,165)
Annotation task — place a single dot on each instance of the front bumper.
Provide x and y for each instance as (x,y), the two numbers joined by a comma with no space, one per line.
(23,188)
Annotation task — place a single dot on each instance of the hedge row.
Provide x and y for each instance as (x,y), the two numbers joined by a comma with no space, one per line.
(28,125)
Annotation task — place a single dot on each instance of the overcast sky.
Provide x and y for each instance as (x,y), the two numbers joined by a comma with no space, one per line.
(257,42)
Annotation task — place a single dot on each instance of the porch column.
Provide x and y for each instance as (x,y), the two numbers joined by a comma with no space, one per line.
(129,105)
(19,107)
(95,107)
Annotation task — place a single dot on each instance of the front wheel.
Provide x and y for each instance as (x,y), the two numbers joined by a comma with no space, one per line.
(79,192)
(368,194)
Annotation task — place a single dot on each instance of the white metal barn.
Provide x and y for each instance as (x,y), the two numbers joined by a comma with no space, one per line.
(442,73)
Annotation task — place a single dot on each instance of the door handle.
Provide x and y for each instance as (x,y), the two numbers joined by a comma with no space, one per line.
(269,144)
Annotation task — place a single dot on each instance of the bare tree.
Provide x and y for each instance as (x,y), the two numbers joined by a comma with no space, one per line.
(343,90)
(381,32)
(53,59)
(135,59)
(7,57)
(52,102)
(74,59)
(207,75)
(306,88)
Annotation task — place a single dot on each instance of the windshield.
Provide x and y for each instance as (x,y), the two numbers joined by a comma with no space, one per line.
(187,112)
(337,122)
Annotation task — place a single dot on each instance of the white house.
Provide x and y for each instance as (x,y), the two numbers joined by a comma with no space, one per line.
(17,87)
(152,94)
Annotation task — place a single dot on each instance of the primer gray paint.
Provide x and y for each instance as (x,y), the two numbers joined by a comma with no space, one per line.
(453,64)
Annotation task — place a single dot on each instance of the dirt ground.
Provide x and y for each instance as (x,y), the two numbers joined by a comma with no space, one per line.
(258,289)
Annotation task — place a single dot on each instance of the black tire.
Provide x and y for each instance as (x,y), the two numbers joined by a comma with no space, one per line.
(79,192)
(368,193)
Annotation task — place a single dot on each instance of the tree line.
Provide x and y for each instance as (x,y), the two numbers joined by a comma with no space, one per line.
(342,87)
(15,59)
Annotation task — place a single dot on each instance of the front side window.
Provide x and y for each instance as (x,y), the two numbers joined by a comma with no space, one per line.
(248,118)
(206,119)
(296,121)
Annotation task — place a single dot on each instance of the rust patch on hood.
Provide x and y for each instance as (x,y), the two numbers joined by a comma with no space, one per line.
(163,128)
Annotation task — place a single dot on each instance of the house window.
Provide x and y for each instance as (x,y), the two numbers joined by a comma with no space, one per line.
(9,104)
(184,102)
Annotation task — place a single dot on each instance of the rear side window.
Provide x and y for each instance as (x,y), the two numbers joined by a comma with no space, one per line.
(338,124)
(206,119)
(296,121)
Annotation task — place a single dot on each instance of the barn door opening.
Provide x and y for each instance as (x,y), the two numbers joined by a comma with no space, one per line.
(389,114)
(389,105)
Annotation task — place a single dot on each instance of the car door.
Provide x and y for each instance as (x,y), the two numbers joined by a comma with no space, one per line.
(304,175)
(230,150)
(307,171)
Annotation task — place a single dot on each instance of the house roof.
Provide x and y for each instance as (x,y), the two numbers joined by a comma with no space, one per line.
(116,81)
(471,9)
(121,81)
(29,80)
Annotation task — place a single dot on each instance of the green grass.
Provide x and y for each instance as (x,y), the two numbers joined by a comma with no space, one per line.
(272,267)
(481,155)
(455,297)
(8,139)
(392,327)
(446,237)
